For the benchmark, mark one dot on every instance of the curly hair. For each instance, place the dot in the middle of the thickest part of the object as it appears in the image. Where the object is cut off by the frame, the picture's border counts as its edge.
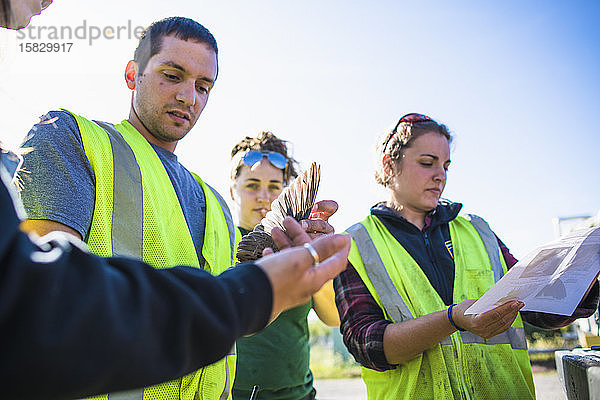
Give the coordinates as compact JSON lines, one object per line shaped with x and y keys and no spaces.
{"x":406,"y":133}
{"x":264,"y":141}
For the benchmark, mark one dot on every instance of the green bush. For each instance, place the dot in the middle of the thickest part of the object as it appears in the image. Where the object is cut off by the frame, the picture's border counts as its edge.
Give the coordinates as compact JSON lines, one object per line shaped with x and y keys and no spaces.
{"x":327,"y":360}
{"x":327,"y":364}
{"x":543,"y":338}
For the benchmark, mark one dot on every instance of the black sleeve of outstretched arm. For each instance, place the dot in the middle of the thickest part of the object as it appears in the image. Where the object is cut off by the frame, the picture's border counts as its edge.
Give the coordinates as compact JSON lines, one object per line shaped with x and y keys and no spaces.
{"x":74,"y":324}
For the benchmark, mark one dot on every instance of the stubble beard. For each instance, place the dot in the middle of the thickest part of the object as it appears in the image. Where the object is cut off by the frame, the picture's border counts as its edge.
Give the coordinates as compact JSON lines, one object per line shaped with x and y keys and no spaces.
{"x":151,"y":119}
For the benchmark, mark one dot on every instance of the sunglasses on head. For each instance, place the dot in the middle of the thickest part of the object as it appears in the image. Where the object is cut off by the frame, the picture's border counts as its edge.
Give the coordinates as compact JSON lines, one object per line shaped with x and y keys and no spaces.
{"x":411,"y":118}
{"x":253,"y":156}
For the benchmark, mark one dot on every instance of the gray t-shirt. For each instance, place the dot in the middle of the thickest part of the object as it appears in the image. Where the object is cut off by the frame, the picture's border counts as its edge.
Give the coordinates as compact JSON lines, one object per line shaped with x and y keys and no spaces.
{"x":59,"y":184}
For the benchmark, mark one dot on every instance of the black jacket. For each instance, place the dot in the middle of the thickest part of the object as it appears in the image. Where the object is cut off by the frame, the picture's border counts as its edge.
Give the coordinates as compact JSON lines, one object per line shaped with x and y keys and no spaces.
{"x":430,"y":248}
{"x":73,"y":324}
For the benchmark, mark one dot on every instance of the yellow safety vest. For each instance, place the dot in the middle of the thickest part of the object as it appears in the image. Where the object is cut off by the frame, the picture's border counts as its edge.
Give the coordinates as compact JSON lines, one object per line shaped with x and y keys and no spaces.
{"x":137,"y":214}
{"x":463,"y":365}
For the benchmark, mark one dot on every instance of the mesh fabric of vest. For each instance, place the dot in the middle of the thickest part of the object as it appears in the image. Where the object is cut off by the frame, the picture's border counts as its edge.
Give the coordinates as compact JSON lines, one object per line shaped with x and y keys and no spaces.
{"x":166,"y":238}
{"x":457,"y":371}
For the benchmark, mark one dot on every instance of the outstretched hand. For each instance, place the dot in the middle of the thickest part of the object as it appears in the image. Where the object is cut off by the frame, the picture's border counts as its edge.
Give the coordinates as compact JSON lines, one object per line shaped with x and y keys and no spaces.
{"x":293,"y":277}
{"x":490,"y":323}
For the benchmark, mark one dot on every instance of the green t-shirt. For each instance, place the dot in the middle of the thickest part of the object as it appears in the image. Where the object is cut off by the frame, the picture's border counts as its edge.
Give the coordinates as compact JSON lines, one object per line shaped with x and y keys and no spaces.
{"x":276,"y":358}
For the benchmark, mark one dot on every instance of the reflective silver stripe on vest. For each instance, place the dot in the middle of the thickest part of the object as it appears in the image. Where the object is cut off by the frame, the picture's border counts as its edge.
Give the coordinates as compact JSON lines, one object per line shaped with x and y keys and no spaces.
{"x":128,"y":214}
{"x":136,"y":394}
{"x":228,"y":220}
{"x":515,"y":336}
{"x":391,"y":299}
{"x":226,"y":389}
{"x":128,"y":201}
{"x":490,"y":242}
{"x":128,"y":219}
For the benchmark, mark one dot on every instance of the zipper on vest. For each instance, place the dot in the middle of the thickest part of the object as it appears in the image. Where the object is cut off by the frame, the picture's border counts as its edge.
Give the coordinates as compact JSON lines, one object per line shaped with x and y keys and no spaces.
{"x":431,"y":256}
{"x":429,"y":250}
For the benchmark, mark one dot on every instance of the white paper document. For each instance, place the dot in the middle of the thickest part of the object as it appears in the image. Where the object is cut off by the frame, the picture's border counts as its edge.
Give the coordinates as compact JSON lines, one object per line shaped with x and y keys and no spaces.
{"x":552,"y":279}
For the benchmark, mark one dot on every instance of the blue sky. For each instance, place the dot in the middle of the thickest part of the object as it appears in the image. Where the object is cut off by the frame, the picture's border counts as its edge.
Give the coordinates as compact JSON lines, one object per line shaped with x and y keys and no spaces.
{"x":516,"y":82}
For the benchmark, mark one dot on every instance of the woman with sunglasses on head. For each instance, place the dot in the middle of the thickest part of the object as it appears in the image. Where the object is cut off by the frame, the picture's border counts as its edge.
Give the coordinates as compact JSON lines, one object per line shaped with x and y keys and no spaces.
{"x":411,"y":260}
{"x":277,"y":358}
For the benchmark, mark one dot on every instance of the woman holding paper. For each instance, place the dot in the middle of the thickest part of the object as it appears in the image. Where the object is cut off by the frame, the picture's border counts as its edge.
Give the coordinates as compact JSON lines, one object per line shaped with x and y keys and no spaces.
{"x":415,"y":267}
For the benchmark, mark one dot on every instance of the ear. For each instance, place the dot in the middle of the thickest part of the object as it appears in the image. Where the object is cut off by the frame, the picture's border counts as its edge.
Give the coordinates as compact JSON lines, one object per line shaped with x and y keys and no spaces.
{"x":130,"y":74}
{"x":388,"y":165}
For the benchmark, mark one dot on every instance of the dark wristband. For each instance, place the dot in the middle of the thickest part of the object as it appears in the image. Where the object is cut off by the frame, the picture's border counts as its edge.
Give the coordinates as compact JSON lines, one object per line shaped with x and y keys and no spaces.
{"x":451,"y":320}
